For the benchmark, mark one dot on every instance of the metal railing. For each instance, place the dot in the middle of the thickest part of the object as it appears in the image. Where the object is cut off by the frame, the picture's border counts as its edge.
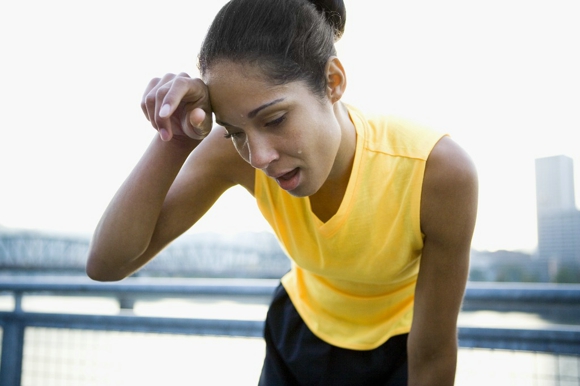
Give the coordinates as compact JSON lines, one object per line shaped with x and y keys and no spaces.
{"x":556,"y":339}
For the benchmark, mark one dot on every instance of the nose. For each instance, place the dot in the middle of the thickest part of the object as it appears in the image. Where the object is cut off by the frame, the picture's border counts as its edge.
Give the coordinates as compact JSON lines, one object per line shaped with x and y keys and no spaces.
{"x":261,"y":151}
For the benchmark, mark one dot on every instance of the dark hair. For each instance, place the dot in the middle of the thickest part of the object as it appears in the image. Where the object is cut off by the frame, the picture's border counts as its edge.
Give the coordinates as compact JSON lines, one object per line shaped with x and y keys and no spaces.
{"x":290,"y":40}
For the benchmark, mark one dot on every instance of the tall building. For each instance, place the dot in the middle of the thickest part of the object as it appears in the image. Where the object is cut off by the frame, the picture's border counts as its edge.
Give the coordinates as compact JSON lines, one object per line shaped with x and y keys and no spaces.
{"x":555,"y":184}
{"x":558,"y":218}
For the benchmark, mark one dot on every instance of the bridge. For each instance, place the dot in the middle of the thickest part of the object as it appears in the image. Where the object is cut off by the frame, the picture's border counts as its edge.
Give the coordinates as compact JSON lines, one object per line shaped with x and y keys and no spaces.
{"x":213,"y":255}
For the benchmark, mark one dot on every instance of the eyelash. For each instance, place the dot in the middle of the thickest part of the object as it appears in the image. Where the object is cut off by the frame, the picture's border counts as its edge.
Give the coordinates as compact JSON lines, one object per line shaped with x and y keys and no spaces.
{"x":274,"y":123}
{"x":232,"y":135}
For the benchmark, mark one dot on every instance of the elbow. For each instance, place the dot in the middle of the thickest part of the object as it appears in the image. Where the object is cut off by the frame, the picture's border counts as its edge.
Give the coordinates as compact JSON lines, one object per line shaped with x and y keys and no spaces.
{"x":111,"y":259}
{"x":114,"y":262}
{"x":96,"y":273}
{"x":99,"y":275}
{"x":98,"y":269}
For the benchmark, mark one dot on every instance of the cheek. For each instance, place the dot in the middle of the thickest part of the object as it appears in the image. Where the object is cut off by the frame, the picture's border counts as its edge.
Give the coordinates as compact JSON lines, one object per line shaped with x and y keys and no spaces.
{"x":243,"y":151}
{"x":325,"y":139}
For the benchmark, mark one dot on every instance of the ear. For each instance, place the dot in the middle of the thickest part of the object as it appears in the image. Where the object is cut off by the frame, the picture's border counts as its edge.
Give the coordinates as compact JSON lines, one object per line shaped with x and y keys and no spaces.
{"x":335,"y":79}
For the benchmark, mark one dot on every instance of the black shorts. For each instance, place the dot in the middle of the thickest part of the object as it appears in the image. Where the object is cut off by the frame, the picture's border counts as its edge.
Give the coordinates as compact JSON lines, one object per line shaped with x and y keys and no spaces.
{"x":295,"y":356}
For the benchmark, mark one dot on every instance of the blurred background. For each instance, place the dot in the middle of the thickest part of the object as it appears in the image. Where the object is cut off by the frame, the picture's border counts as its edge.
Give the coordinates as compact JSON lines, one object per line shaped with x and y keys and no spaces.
{"x":501,"y":77}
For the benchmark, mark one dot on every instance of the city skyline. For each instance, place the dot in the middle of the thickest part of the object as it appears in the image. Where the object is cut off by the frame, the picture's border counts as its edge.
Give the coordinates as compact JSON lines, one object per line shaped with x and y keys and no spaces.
{"x":72,"y":127}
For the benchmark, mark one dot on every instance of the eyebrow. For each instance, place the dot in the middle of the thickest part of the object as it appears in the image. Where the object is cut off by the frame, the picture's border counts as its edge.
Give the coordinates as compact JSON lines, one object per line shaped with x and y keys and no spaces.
{"x":253,"y":113}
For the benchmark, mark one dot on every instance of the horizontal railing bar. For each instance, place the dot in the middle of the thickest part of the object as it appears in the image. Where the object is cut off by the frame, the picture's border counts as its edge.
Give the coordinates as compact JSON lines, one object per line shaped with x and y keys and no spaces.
{"x":524,"y":292}
{"x":133,"y":323}
{"x":149,"y":286}
{"x":476,"y":291}
{"x":559,"y":340}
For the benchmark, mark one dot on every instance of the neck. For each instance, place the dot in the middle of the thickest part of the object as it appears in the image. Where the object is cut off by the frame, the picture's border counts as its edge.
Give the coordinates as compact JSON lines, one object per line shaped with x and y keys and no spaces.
{"x":345,"y":155}
{"x":326,"y":201}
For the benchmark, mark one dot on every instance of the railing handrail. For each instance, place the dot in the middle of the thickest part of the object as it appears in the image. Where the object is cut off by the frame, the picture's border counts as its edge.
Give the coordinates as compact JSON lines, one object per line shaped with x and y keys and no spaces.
{"x":140,"y":285}
{"x":475,"y":291}
{"x":524,"y":292}
{"x":555,"y":339}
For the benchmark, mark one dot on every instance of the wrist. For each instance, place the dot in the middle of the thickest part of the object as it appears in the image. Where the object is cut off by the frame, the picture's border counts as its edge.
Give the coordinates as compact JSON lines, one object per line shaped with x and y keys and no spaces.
{"x":178,"y":144}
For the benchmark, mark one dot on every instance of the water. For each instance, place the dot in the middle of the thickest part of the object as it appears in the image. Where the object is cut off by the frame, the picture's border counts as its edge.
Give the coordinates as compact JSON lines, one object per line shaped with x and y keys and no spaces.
{"x":250,"y":308}
{"x":96,"y":358}
{"x":83,"y":358}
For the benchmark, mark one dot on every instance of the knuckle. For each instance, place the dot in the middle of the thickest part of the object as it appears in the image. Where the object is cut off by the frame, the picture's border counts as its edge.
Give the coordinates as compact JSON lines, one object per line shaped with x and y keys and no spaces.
{"x":167,"y":77}
{"x":182,"y":81}
{"x":198,"y":82}
{"x":160,"y":91}
{"x":150,"y":86}
{"x":153,"y":82}
{"x":150,"y":98}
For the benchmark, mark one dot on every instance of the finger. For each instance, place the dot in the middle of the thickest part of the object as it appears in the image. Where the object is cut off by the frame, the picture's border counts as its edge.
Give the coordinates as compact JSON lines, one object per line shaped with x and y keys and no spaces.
{"x":161,"y":117}
{"x":196,"y":117}
{"x":152,"y":83}
{"x":150,"y":97}
{"x":194,"y":124}
{"x":181,"y":90}
{"x":165,"y":135}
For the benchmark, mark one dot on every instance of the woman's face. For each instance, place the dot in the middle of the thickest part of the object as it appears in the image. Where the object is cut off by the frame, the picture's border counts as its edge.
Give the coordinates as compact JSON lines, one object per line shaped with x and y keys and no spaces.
{"x":284,"y":130}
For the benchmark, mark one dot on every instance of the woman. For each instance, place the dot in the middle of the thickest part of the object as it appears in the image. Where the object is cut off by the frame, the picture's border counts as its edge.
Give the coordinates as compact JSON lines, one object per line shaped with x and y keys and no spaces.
{"x":376,"y":213}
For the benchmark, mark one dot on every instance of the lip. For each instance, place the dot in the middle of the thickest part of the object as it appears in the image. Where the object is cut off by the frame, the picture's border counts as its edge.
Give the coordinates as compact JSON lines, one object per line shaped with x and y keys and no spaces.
{"x":281,"y":174}
{"x":288,"y":180}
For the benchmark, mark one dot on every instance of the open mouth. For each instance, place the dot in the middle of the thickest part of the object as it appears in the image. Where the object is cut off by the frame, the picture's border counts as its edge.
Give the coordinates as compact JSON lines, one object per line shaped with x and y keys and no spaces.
{"x":290,"y":180}
{"x":289,"y":175}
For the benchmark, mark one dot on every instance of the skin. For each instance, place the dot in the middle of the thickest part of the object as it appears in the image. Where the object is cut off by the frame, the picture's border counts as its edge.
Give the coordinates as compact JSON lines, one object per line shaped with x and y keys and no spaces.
{"x":305,"y":140}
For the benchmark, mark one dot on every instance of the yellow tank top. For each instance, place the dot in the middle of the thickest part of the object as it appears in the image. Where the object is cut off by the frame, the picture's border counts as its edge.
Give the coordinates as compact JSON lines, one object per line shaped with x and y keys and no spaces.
{"x":353,"y":277}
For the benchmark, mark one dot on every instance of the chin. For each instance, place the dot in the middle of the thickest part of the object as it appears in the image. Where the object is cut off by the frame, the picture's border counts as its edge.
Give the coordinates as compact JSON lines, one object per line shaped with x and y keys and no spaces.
{"x":303,"y":191}
{"x":298,"y":193}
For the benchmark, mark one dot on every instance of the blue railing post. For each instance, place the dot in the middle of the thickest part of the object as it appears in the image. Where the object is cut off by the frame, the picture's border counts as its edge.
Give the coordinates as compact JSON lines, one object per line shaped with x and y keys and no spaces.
{"x":12,"y":346}
{"x":556,"y":339}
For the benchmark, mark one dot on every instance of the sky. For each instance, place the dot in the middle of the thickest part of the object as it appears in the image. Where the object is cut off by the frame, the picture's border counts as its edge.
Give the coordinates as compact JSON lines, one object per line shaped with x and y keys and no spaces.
{"x":501,"y":77}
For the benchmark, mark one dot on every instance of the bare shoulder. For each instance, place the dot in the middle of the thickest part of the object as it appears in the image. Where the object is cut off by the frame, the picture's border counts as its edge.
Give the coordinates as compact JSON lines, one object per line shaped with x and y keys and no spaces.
{"x":448,"y":162}
{"x":449,"y":197}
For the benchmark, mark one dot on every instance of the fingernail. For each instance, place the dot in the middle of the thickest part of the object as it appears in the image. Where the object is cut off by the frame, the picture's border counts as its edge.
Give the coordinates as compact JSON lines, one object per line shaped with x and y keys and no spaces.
{"x":164,"y":135}
{"x":195,"y":124}
{"x":164,"y":111}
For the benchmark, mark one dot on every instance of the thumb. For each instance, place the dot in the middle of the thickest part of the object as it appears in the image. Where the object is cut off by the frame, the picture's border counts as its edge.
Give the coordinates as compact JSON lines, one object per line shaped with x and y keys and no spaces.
{"x":197,"y":126}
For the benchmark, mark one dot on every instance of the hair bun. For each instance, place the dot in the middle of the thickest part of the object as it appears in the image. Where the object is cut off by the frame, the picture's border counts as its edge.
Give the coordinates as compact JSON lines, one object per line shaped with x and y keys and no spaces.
{"x":334,"y":12}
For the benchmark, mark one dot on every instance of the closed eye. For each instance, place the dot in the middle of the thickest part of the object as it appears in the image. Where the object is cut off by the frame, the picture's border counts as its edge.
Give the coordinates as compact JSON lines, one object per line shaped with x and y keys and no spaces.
{"x":276,"y":121}
{"x":234,"y":135}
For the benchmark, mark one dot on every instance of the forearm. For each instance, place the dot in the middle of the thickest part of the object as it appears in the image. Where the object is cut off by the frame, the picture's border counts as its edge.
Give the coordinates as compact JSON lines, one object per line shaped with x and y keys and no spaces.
{"x":125,"y":229}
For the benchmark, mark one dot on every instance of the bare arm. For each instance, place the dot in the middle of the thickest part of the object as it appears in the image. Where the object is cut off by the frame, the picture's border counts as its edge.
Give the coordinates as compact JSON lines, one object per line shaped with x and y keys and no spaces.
{"x":448,"y":212}
{"x":176,"y":181}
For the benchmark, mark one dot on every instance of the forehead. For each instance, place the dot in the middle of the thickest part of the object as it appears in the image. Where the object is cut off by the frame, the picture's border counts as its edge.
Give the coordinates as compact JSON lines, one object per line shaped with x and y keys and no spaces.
{"x":241,"y":87}
{"x":233,"y":74}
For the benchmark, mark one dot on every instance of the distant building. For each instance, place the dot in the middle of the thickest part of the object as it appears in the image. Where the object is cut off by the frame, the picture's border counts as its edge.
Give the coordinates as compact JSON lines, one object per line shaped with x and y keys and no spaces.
{"x":555,"y":184}
{"x":506,"y":266}
{"x":558,"y":217}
